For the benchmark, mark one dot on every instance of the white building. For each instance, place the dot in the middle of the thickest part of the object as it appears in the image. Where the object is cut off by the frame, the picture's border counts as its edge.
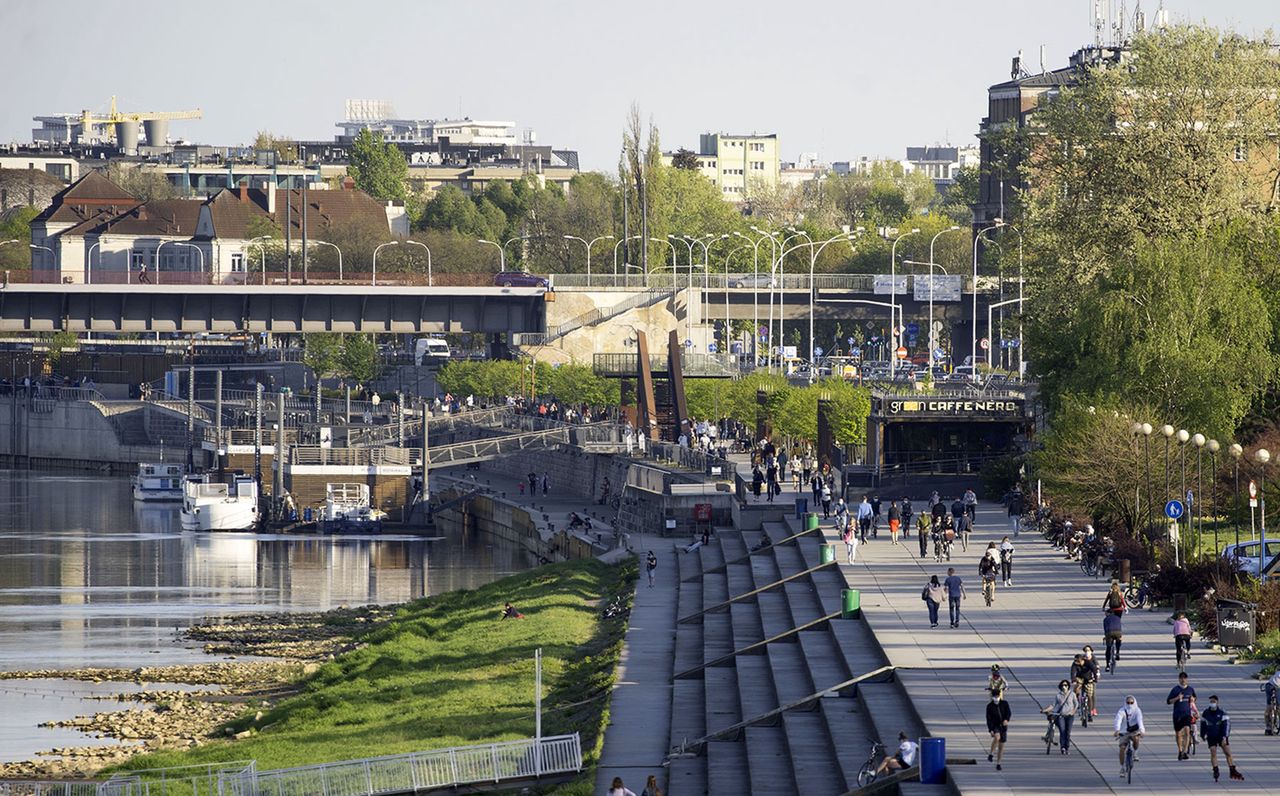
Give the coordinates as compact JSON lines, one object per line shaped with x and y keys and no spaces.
{"x":380,"y":117}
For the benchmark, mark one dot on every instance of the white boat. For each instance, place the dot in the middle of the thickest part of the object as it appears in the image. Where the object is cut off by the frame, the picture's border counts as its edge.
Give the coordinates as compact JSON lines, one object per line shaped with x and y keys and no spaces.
{"x":215,"y":506}
{"x":347,"y":508}
{"x":158,"y":482}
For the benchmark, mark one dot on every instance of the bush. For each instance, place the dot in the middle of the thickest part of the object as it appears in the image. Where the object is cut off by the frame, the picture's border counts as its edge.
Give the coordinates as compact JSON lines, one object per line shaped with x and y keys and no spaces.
{"x":1246,"y":589}
{"x":999,"y":475}
{"x":1192,"y":579}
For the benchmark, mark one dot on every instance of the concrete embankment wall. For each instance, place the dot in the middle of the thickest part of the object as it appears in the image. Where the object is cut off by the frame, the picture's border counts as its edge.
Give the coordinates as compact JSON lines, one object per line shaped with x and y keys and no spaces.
{"x":505,"y":520}
{"x":48,"y":434}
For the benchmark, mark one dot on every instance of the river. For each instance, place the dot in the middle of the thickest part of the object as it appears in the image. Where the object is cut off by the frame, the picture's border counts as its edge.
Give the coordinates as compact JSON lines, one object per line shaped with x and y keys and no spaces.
{"x":89,"y":578}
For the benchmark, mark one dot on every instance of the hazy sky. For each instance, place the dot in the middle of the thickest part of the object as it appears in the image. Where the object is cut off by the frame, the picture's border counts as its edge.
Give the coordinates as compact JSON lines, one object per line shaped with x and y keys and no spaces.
{"x":842,"y":78}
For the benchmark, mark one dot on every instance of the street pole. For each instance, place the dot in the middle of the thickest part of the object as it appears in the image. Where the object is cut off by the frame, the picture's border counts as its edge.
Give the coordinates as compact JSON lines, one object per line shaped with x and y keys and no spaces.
{"x":1214,"y":447}
{"x":932,"y":265}
{"x":1236,"y":451}
{"x":1198,"y":517}
{"x":1183,"y":436}
{"x":1146,"y":455}
{"x":973,"y":343}
{"x":893,"y":300}
{"x":1262,"y":456}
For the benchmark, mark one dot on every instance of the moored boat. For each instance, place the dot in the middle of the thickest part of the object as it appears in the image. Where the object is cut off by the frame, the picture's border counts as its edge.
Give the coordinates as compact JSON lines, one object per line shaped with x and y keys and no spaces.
{"x":216,"y":506}
{"x":158,"y":482}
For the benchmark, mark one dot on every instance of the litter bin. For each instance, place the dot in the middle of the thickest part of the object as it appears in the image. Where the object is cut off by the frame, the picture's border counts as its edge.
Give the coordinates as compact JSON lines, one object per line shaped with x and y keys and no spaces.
{"x":811,"y":521}
{"x":306,"y":514}
{"x":802,"y":507}
{"x":1237,"y":625}
{"x":828,"y":553}
{"x":933,"y":761}
{"x":852,"y":604}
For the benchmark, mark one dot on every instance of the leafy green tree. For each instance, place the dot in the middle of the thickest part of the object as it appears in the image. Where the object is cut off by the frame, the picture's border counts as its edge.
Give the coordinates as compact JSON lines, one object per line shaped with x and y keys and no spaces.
{"x":685,"y":159}
{"x":284,"y":150}
{"x":16,"y":225}
{"x":59,"y":343}
{"x":322,"y":352}
{"x":959,"y":200}
{"x":358,"y":359}
{"x":579,"y":384}
{"x":143,"y":183}
{"x":378,"y":167}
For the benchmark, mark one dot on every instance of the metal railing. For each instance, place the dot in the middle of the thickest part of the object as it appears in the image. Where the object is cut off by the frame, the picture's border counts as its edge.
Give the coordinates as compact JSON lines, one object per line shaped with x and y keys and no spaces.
{"x":353,"y":457}
{"x":458,"y":766}
{"x":693,"y":364}
{"x":592,"y":317}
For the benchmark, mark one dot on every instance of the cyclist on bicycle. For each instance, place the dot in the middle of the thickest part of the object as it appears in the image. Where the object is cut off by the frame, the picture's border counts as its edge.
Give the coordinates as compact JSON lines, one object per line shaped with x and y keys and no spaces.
{"x":961,"y":522}
{"x":1272,"y":689}
{"x":996,"y":681}
{"x":1113,"y":633}
{"x":987,"y":569}
{"x":1129,"y":727}
{"x":1083,"y":677}
{"x":905,"y":757}
{"x":1091,"y":546}
{"x":1181,"y":637}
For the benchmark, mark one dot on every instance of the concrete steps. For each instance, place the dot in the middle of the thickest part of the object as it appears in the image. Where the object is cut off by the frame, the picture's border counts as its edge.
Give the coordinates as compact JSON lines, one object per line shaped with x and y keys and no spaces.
{"x":769,"y":761}
{"x":755,"y":686}
{"x":822,"y":657}
{"x":721,"y":697}
{"x":790,"y":674}
{"x":715,"y":589}
{"x":740,"y":579}
{"x":775,"y":614}
{"x":812,"y":749}
{"x":717,"y":635}
{"x":688,"y":775}
{"x":847,"y":723}
{"x":747,"y":628}
{"x":688,"y":720}
{"x":727,"y":768}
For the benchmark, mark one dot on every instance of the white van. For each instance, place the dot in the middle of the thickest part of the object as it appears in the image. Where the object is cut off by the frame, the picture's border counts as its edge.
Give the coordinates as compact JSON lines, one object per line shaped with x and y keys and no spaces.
{"x":430,"y":351}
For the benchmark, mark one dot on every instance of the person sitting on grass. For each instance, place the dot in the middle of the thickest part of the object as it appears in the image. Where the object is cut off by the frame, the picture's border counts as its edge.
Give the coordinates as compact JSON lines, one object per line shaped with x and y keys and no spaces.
{"x":509,"y":612}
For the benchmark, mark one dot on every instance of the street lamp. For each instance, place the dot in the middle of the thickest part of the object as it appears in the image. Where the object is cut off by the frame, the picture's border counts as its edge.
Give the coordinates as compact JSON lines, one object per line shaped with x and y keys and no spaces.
{"x":1262,"y":456}
{"x":191,"y":246}
{"x":1236,"y":452}
{"x":755,"y":287}
{"x":973,"y":344}
{"x":262,"y":249}
{"x":932,"y":265}
{"x":1197,"y":517}
{"x":589,"y":244}
{"x":728,"y":257}
{"x":53,"y":257}
{"x":502,"y":253}
{"x":893,"y":299}
{"x":1167,"y":430}
{"x":408,"y":242}
{"x":374,"y":276}
{"x":339,"y":251}
{"x":1146,"y":455}
{"x":674,"y":258}
{"x":615,"y":256}
{"x":1214,"y":446}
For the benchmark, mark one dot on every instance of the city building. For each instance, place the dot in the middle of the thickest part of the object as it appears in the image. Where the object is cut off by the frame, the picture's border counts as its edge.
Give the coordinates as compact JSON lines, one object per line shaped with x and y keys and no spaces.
{"x":94,"y":230}
{"x":737,"y":164}
{"x":379,"y":116}
{"x":940,"y":163}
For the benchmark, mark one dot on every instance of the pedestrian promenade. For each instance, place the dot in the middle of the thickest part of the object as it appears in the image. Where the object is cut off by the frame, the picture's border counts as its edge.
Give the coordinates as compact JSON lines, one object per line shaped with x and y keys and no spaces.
{"x":1032,"y":631}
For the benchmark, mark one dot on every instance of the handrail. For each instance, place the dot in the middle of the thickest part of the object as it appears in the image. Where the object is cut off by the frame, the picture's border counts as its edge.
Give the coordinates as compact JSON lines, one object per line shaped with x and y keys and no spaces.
{"x":750,"y":553}
{"x":822,"y":620}
{"x":684,"y":620}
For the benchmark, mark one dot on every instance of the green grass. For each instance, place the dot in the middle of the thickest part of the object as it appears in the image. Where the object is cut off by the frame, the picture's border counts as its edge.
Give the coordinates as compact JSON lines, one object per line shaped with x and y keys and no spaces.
{"x":446,"y":671}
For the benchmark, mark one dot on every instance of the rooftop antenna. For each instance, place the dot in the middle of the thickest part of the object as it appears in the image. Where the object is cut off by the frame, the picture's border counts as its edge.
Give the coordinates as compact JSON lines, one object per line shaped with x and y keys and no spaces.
{"x":1042,"y":70}
{"x":1139,"y":20}
{"x":1098,"y":24}
{"x":1162,"y":17}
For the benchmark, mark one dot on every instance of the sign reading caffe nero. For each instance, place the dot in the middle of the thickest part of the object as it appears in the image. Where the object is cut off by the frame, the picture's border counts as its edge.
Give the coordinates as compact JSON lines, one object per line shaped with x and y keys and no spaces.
{"x":953,"y":407}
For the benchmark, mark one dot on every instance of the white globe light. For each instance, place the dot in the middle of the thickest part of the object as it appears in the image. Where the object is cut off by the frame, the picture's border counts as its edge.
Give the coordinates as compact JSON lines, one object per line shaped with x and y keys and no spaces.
{"x":1167,"y":430}
{"x":1235,"y":450}
{"x":1198,"y":439}
{"x":1146,"y":429}
{"x":1214,"y":446}
{"x":1183,"y":435}
{"x":1262,"y":455}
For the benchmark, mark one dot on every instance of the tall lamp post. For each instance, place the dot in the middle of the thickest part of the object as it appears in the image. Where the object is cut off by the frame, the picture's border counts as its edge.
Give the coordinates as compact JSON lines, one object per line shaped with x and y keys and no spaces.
{"x":407,"y":242}
{"x":675,"y":262}
{"x":589,"y":244}
{"x":932,"y":265}
{"x":262,"y":248}
{"x":373,"y":279}
{"x":1198,"y":515}
{"x":622,"y":242}
{"x":1183,"y":436}
{"x":973,"y":344}
{"x":502,"y":253}
{"x":755,"y":290}
{"x":339,"y":251}
{"x":1262,"y":456}
{"x":1146,"y":456}
{"x":1214,"y":446}
{"x":1168,"y":431}
{"x":893,"y":299}
{"x":1236,"y":452}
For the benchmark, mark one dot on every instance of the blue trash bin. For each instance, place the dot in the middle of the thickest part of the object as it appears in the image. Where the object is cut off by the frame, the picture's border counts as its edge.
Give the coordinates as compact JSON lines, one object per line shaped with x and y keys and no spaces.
{"x":306,"y":514}
{"x":933,"y":761}
{"x":802,"y":507}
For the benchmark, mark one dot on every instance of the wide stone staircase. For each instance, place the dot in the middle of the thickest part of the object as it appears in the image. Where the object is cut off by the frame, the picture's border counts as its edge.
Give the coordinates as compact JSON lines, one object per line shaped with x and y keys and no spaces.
{"x":766,"y":691}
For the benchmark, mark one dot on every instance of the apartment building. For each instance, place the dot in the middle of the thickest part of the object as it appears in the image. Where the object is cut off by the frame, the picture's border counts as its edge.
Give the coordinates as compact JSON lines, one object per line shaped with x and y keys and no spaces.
{"x":737,"y":164}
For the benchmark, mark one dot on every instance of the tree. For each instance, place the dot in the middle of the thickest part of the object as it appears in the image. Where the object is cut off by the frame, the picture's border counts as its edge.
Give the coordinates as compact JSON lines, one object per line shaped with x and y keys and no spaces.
{"x":958,"y":202}
{"x":283,"y":149}
{"x":358,"y":359}
{"x":15,"y":224}
{"x":140,"y":181}
{"x":322,"y":352}
{"x":685,"y":159}
{"x":378,"y":167}
{"x":60,"y":342}
{"x":579,"y":384}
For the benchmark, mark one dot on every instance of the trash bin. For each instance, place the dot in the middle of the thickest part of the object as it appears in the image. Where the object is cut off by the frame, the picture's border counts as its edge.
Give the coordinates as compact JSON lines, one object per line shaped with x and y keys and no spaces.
{"x":828,"y":553}
{"x":933,"y":761}
{"x":306,"y":514}
{"x":1237,"y":623}
{"x":802,"y":507}
{"x":852,"y":604}
{"x":811,"y":521}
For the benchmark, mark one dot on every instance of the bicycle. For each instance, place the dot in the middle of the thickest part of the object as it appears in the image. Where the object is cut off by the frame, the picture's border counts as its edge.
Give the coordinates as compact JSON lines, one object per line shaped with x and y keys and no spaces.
{"x":1130,"y":756}
{"x":989,"y":591}
{"x":1271,"y":716}
{"x":867,"y":774}
{"x":1184,"y":651}
{"x":1050,"y":736}
{"x":1113,"y":655}
{"x":1086,"y":706}
{"x":1089,"y":564}
{"x":1135,"y":595}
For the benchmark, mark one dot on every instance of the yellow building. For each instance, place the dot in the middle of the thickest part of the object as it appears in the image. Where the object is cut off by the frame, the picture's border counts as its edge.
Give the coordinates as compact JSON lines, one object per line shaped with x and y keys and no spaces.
{"x":738,"y":164}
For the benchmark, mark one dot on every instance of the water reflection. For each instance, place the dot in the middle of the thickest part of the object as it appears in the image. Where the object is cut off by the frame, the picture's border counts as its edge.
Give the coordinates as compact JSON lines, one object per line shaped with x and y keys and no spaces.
{"x":89,"y":579}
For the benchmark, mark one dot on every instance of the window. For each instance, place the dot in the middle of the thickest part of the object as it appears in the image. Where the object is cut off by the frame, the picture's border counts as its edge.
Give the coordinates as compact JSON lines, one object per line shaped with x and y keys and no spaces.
{"x":757,"y":165}
{"x":1242,"y":152}
{"x":757,"y":147}
{"x":237,"y":262}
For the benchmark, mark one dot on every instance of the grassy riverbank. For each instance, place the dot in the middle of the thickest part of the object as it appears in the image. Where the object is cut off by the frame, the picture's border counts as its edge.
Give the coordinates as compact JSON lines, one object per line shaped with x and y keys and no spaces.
{"x":447,"y":671}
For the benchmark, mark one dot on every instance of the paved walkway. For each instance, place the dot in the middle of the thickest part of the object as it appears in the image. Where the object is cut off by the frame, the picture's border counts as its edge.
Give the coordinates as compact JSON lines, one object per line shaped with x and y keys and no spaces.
{"x":1033,"y":630}
{"x":635,"y":741}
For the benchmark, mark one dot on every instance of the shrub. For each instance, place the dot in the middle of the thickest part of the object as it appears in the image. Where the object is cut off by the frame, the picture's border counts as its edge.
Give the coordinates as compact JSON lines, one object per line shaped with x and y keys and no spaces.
{"x":999,"y":475}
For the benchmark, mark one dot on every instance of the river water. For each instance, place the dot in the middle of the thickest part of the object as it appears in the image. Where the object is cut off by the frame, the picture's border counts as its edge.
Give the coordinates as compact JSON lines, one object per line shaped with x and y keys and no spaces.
{"x":89,"y":578}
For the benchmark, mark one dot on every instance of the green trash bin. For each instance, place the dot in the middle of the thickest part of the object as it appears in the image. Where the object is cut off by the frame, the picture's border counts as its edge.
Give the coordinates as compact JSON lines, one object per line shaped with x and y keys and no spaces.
{"x":811,"y":521}
{"x":828,"y":553}
{"x":852,"y":604}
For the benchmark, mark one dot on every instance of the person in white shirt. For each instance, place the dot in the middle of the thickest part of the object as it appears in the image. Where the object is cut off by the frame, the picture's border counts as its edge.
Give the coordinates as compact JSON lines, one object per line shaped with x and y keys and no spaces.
{"x":905,"y":757}
{"x":1129,"y":724}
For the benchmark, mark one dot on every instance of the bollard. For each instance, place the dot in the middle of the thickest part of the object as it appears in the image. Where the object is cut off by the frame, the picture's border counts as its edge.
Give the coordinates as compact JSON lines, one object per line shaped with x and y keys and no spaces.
{"x":933,"y":761}
{"x":828,"y":553}
{"x":811,"y":521}
{"x":852,"y":604}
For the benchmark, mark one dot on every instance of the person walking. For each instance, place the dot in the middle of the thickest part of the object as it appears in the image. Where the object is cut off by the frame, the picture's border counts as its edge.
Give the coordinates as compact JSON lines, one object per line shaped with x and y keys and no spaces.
{"x":933,"y":596}
{"x":939,"y":510}
{"x":955,"y":593}
{"x":850,"y":540}
{"x":907,"y":514}
{"x":1015,"y":509}
{"x":895,"y":521}
{"x":546,"y":484}
{"x":864,"y":518}
{"x":1182,"y":697}
{"x":815,"y":486}
{"x":651,"y":566}
{"x":651,"y":787}
{"x":826,"y":502}
{"x":998,"y":715}
{"x":1063,"y":713}
{"x":618,"y":789}
{"x":959,"y":518}
{"x":771,"y":479}
{"x":1006,"y":561}
{"x":875,"y":516}
{"x":1215,"y":729}
{"x":971,"y":505}
{"x":922,"y":534}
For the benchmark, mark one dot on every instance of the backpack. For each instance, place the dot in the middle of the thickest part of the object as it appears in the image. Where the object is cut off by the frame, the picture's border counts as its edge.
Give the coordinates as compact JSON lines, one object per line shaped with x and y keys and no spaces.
{"x":924,"y":595}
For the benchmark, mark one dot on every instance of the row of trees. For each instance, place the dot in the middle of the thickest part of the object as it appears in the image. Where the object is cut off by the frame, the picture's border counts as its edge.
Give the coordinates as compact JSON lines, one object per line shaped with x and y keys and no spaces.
{"x":494,"y":380}
{"x":351,"y":356}
{"x":791,"y":410}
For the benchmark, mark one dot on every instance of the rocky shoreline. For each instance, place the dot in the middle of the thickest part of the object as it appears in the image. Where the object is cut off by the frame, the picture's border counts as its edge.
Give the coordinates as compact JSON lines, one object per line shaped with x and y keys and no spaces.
{"x":293,"y":645}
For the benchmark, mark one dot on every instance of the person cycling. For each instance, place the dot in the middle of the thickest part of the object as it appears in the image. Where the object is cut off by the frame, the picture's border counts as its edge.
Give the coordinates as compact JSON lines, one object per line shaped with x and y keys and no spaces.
{"x":1091,"y":545}
{"x":1272,"y":689}
{"x":988,"y":567}
{"x":1181,"y":638}
{"x":1129,"y":727}
{"x":960,"y":519}
{"x":1084,"y":676}
{"x":1113,"y":634}
{"x":996,"y":681}
{"x":905,"y":757}
{"x":1091,"y":661}
{"x":1114,"y":601}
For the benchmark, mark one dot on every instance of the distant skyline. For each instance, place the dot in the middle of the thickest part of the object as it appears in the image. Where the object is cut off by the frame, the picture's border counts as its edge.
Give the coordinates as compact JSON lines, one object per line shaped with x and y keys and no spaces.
{"x":840,"y":79}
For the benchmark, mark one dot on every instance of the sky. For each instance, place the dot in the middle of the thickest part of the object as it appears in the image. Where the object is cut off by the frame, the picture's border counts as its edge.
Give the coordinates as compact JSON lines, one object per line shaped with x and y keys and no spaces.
{"x":840,"y":78}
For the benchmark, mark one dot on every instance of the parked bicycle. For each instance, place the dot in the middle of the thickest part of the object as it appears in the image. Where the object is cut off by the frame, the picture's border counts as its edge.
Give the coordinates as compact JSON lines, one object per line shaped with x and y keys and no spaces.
{"x":867,"y":774}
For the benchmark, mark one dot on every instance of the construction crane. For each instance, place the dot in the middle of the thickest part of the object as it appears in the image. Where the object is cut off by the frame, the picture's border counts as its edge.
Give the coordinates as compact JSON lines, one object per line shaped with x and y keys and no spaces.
{"x":155,"y":123}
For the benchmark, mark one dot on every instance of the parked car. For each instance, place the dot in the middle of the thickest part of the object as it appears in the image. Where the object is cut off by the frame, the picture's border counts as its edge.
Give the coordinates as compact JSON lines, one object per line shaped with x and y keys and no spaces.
{"x":1248,"y":555}
{"x":519,"y":279}
{"x":753,"y":280}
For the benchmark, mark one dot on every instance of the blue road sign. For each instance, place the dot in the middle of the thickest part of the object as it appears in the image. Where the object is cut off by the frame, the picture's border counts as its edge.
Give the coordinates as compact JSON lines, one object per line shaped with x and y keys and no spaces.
{"x":938,"y":353}
{"x":817,"y":351}
{"x":1191,"y":498}
{"x":1173,"y":509}
{"x":850,"y":340}
{"x":712,"y":348}
{"x":913,"y":328}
